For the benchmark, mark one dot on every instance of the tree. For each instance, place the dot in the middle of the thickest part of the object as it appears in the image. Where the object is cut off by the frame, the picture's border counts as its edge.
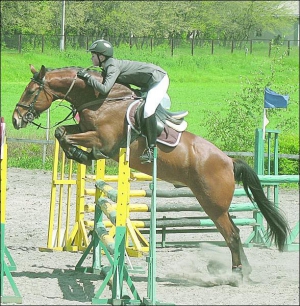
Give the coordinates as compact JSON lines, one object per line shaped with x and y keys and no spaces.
{"x":226,"y":20}
{"x":246,"y":109}
{"x":26,"y":17}
{"x":238,"y":20}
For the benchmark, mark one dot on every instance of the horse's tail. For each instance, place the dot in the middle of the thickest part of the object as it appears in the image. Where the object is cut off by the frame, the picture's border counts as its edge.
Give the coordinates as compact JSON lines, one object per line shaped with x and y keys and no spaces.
{"x":278,"y":228}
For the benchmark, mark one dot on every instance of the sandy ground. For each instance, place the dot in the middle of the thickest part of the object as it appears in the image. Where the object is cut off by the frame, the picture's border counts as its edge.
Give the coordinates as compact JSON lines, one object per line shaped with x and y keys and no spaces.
{"x":46,"y":278}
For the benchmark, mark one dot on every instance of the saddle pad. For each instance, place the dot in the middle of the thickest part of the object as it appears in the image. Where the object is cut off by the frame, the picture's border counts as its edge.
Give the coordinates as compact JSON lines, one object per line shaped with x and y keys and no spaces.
{"x":168,"y":136}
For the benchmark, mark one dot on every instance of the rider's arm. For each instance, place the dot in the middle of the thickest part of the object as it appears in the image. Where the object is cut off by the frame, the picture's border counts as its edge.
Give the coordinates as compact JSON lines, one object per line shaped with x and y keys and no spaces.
{"x":112,"y":74}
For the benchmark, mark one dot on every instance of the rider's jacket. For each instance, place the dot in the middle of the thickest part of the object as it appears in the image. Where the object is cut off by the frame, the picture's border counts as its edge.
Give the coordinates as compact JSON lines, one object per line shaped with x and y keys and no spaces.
{"x":140,"y":74}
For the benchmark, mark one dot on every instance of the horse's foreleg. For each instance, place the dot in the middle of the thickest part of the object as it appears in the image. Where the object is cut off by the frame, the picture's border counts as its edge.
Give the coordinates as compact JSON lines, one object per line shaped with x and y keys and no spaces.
{"x":70,"y":148}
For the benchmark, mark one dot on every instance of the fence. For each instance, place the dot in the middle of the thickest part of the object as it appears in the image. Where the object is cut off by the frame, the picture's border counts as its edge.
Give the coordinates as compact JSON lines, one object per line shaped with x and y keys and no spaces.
{"x":45,"y":143}
{"x":191,"y":46}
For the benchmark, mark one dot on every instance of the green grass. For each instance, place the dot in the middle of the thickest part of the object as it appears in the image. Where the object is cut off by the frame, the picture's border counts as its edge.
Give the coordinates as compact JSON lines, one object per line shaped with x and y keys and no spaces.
{"x":197,"y":83}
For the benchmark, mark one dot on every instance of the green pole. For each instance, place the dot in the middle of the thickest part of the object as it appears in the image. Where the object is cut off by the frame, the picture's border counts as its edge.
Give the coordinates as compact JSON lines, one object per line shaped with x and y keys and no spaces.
{"x":257,"y":236}
{"x":276,"y":162}
{"x":152,"y":256}
{"x":5,"y":271}
{"x":259,"y":152}
{"x":5,"y":268}
{"x":151,"y":259}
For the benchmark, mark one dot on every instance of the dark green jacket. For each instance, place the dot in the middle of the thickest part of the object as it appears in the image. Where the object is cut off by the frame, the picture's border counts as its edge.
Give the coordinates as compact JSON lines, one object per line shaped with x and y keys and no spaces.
{"x":143,"y":75}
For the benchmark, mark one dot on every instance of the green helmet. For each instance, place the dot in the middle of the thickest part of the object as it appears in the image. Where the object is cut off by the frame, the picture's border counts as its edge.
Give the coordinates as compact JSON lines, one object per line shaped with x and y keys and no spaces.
{"x":103,"y":47}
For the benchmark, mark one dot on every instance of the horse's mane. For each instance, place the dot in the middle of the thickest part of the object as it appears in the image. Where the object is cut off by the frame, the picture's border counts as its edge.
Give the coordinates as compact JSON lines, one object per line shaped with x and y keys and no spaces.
{"x":97,"y":73}
{"x":71,"y":68}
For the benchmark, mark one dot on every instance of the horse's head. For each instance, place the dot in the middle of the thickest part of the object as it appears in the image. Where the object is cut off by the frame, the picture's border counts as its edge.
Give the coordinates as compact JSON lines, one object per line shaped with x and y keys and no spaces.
{"x":35,"y":99}
{"x":48,"y":85}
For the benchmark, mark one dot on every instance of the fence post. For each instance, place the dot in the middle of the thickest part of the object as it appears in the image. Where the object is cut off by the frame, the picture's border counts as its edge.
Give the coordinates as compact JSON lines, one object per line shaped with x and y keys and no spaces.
{"x":259,"y":152}
{"x":87,"y":42}
{"x":193,"y":41}
{"x":65,"y":40}
{"x":151,"y":44}
{"x":288,"y":50}
{"x":275,"y":154}
{"x":20,"y":43}
{"x":212,"y":46}
{"x":232,"y":46}
{"x":270,"y":47}
{"x":251,"y":46}
{"x":172,"y":47}
{"x":43,"y":43}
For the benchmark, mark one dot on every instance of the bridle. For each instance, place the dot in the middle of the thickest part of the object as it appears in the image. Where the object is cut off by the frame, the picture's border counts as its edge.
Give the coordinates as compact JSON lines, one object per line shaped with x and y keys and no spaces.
{"x":32,"y":113}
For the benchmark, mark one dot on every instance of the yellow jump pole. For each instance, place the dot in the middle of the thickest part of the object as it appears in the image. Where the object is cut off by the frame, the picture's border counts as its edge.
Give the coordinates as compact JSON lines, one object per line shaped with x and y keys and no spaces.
{"x":60,"y":202}
{"x":118,"y":270}
{"x":5,"y":268}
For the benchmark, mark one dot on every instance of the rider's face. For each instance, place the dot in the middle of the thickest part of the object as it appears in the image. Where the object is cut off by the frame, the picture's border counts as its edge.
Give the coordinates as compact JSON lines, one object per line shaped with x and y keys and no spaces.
{"x":95,"y":59}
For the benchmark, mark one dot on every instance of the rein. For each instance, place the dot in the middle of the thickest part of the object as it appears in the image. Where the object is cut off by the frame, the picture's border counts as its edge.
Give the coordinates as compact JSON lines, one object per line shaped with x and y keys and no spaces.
{"x":73,"y":111}
{"x":32,"y":114}
{"x":56,"y":124}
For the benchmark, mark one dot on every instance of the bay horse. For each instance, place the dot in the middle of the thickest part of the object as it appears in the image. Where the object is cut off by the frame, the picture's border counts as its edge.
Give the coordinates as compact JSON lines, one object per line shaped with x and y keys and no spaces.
{"x":194,"y":162}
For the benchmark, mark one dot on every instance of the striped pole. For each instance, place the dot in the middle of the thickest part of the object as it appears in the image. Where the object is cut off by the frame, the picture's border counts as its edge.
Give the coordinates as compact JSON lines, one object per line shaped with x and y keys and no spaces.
{"x":5,"y":273}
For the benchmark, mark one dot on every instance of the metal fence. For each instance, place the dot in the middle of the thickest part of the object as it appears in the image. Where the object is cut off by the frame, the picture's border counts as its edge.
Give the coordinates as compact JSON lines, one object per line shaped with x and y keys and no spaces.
{"x":41,"y":43}
{"x":48,"y":142}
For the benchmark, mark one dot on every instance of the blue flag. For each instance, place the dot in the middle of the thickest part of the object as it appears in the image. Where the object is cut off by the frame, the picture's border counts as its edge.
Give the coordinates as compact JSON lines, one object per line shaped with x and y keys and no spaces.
{"x":275,"y":100}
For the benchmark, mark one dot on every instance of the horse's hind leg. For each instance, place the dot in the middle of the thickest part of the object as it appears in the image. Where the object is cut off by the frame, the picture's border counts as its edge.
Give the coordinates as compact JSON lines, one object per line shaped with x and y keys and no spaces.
{"x":245,"y":263}
{"x":230,"y":232}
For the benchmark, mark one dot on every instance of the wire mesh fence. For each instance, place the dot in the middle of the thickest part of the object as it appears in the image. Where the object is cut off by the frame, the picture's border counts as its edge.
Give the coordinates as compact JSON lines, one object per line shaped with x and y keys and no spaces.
{"x":188,"y":46}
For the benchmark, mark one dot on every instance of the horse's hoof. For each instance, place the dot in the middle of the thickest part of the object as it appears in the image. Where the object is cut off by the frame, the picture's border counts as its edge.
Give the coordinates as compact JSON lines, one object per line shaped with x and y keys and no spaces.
{"x":237,"y":276}
{"x":80,"y":156}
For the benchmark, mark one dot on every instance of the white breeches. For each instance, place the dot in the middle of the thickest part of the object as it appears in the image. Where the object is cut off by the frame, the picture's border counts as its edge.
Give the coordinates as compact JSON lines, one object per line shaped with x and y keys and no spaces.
{"x":155,"y":95}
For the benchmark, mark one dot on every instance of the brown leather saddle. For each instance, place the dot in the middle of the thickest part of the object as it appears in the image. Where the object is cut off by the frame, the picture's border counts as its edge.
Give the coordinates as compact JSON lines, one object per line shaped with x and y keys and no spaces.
{"x":170,"y":125}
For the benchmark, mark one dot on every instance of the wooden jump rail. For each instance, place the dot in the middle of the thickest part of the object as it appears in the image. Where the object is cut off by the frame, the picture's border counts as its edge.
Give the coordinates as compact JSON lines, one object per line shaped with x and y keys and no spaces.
{"x":175,"y":225}
{"x":164,"y":223}
{"x":62,"y":237}
{"x":117,"y":273}
{"x":63,"y":234}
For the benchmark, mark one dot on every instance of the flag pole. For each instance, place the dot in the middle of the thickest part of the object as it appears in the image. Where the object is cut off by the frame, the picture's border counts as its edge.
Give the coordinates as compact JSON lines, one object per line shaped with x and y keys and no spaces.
{"x":264,"y":124}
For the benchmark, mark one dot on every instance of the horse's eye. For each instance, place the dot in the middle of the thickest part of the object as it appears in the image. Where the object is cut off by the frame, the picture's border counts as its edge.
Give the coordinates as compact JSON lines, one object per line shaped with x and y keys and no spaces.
{"x":30,"y":92}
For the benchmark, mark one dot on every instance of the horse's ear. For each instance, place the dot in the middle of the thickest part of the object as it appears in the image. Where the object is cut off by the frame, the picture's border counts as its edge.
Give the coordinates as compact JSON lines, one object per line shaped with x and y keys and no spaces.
{"x":32,"y":69}
{"x":42,"y":72}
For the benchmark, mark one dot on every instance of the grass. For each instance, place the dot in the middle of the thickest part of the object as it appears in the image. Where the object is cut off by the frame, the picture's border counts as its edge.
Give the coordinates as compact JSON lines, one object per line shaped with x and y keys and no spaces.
{"x":197,"y":83}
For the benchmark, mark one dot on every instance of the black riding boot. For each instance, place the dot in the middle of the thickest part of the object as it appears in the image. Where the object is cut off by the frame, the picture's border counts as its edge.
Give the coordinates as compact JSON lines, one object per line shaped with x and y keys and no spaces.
{"x":151,"y":134}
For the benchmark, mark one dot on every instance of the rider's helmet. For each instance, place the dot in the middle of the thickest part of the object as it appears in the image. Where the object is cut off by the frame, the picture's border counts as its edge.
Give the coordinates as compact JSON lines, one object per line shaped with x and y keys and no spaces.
{"x":102,"y":46}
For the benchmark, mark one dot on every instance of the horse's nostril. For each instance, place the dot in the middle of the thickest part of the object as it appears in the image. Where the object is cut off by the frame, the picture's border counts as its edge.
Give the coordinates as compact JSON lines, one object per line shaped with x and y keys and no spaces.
{"x":14,"y":121}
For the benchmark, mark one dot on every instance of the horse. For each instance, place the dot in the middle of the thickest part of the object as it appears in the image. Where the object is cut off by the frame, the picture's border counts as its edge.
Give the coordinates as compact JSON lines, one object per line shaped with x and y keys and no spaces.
{"x":194,"y":162}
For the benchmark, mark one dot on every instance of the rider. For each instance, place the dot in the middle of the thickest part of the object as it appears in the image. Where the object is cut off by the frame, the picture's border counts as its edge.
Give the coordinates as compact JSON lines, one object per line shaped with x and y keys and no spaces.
{"x":148,"y":76}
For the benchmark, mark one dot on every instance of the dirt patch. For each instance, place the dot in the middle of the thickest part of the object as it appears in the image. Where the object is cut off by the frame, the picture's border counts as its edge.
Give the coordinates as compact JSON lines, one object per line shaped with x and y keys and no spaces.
{"x":182,"y":272}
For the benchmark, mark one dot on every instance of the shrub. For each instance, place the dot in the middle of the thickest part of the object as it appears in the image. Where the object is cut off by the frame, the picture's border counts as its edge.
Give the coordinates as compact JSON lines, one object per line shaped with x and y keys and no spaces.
{"x":289,"y":144}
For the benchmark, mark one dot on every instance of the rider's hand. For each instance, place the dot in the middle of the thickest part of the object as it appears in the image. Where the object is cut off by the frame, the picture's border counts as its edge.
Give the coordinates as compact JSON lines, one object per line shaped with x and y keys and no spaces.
{"x":83,"y":74}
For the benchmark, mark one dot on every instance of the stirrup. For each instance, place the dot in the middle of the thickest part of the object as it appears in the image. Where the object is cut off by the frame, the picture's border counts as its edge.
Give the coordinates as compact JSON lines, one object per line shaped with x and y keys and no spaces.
{"x":147,"y":156}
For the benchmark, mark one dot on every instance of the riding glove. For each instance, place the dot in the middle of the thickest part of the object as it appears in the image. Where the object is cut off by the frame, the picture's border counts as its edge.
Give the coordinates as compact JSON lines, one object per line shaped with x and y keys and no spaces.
{"x":82,"y":74}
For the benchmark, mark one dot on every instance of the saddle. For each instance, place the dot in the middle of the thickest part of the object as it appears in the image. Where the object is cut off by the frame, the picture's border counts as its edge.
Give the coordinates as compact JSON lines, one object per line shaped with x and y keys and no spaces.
{"x":170,"y":125}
